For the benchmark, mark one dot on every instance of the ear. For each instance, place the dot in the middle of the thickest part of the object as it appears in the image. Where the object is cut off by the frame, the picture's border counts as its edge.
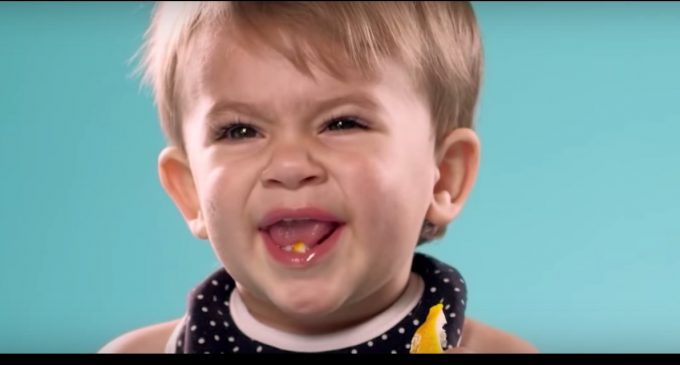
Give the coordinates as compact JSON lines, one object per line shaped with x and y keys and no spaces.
{"x":457,"y":164}
{"x":175,"y":175}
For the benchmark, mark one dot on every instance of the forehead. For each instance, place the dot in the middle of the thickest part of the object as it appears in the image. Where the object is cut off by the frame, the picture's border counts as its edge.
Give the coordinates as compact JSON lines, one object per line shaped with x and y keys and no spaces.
{"x":224,"y":57}
{"x":227,"y":70}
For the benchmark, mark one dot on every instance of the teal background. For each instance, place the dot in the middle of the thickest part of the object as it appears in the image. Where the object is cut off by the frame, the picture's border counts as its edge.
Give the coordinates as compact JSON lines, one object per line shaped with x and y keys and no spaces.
{"x":570,"y":238}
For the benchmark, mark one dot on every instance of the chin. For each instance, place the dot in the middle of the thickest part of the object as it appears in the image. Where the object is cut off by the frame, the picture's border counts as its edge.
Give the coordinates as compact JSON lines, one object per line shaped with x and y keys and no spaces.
{"x":308,"y":304}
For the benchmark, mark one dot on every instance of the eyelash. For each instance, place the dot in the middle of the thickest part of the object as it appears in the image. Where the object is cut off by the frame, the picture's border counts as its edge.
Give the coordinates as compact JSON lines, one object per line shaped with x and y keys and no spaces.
{"x":224,"y":131}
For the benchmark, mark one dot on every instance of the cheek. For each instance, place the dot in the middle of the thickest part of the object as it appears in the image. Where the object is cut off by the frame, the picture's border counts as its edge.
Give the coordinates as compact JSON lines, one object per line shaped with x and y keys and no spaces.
{"x":389,"y":196}
{"x":223,"y":194}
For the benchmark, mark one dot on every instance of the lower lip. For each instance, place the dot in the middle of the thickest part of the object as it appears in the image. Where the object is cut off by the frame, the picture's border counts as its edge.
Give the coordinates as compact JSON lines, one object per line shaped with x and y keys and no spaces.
{"x":302,"y":260}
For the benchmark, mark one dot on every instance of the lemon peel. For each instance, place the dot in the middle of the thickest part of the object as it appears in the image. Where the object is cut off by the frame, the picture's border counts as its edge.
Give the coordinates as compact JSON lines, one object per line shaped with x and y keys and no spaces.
{"x":299,"y":247}
{"x":430,"y":337}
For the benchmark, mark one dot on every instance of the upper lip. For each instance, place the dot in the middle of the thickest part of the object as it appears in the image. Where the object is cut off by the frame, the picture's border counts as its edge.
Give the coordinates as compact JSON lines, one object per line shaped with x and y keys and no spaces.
{"x":311,"y":213}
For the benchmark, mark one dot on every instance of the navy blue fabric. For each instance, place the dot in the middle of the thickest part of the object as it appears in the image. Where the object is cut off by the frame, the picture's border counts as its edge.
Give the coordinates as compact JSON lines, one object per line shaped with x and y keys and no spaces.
{"x":210,"y":328}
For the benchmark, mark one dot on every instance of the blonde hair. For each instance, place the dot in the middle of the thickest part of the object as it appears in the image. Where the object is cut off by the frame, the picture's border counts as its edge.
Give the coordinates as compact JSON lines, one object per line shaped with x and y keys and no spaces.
{"x":439,"y":43}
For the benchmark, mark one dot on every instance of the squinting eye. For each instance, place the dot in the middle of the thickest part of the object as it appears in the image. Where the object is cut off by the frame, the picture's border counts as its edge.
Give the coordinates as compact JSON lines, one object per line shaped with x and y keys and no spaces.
{"x":236,"y":131}
{"x":342,"y":123}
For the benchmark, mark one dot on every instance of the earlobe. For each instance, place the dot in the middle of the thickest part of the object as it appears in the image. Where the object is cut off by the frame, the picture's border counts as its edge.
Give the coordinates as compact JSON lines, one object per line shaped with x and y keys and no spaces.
{"x":176,"y":178}
{"x":457,"y":166}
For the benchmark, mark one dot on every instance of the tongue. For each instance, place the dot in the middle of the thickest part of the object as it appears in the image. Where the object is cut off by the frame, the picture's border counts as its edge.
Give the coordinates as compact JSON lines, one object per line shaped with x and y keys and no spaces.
{"x":310,"y":232}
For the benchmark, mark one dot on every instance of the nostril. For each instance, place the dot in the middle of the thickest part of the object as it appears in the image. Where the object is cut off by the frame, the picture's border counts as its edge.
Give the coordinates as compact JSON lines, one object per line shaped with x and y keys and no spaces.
{"x":293,"y":182}
{"x":310,"y":179}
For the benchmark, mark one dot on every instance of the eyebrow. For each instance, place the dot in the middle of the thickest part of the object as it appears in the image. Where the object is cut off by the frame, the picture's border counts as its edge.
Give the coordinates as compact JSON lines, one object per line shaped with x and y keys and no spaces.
{"x":258,"y":110}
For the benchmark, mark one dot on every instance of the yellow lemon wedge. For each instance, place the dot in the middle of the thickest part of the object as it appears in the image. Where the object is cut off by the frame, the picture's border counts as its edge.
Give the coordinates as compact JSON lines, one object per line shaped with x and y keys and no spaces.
{"x":299,"y":247}
{"x":430,"y":337}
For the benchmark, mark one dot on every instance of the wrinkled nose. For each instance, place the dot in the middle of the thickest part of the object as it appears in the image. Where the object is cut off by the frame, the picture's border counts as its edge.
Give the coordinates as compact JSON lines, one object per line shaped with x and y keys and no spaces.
{"x":291,"y":167}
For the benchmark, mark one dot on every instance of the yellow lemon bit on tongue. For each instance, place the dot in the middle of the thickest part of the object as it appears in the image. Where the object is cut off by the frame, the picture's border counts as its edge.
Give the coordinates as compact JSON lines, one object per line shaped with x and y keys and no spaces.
{"x":299,"y":247}
{"x":430,"y":337}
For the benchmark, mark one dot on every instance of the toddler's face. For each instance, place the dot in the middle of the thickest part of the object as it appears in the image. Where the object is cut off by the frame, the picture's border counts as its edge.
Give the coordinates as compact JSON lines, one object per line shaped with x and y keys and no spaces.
{"x":347,"y":163}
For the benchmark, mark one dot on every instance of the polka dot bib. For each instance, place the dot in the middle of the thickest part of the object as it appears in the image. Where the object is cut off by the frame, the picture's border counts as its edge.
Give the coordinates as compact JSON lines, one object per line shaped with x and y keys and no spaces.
{"x":210,"y":328}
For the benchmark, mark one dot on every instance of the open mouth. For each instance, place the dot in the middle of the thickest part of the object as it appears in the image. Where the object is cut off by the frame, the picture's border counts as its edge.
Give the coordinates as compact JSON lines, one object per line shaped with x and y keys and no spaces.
{"x":300,"y":236}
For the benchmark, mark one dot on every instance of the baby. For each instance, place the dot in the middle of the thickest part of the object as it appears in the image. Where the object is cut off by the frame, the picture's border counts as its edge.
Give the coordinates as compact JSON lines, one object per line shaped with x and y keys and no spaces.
{"x":315,"y":145}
